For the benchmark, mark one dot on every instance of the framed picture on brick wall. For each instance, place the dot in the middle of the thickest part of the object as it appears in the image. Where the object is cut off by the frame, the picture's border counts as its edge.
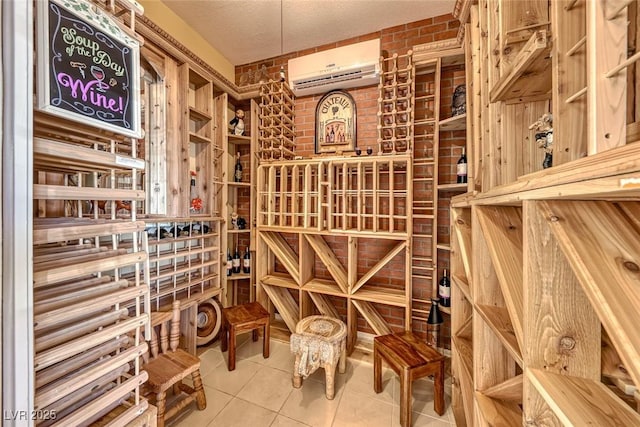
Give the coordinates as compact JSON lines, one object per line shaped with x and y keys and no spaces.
{"x":335,"y":123}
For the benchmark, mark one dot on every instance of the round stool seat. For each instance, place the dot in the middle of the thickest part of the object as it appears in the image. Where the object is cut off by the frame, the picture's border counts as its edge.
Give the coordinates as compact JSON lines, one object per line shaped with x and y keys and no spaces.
{"x":322,"y":327}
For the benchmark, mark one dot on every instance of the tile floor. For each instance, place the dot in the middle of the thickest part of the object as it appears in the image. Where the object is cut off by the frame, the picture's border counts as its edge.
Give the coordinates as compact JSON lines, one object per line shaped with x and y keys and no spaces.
{"x":259,"y":393}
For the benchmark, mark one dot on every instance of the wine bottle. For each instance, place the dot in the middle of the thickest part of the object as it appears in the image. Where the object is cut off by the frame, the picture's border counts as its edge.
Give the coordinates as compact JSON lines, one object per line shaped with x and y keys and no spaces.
{"x":444,"y":290}
{"x":462,"y":168}
{"x":246,"y":262}
{"x":237,"y":176}
{"x":236,"y":261}
{"x":229,"y":263}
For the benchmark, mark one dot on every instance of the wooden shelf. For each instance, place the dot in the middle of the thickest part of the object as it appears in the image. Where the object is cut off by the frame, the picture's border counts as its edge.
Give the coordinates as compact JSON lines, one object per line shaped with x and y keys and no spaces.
{"x":321,"y":286}
{"x":464,"y":347}
{"x":453,"y":187}
{"x":238,"y":184}
{"x":280,"y":280}
{"x":443,"y":246}
{"x":381,"y":295}
{"x":497,"y":412}
{"x":530,"y":73}
{"x":199,"y":115}
{"x":246,"y":230}
{"x":239,"y":139}
{"x":197,"y":139}
{"x":580,"y":402}
{"x":458,"y":122}
{"x":502,"y":230}
{"x":239,"y":276}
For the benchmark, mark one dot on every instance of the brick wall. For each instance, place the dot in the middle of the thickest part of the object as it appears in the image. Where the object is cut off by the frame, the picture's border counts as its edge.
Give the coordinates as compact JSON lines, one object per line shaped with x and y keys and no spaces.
{"x":398,"y":39}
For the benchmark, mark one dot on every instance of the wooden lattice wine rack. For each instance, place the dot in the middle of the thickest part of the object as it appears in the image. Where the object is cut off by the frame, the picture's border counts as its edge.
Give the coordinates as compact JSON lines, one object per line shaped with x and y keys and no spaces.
{"x":304,"y":204}
{"x":395,"y":104}
{"x":276,"y":128}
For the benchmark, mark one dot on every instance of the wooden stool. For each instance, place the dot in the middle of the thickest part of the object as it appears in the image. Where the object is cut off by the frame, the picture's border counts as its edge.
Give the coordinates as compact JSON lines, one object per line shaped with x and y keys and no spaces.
{"x":243,"y":318}
{"x":319,"y":342}
{"x":411,"y":359}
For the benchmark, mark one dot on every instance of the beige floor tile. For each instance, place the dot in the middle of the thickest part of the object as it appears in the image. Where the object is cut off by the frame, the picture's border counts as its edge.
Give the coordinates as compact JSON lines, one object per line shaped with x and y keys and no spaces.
{"x":268,"y":388}
{"x":231,"y":382}
{"x":420,"y":420}
{"x":240,"y":413}
{"x":211,"y":359}
{"x":252,"y":350}
{"x":423,"y":398}
{"x":216,"y":401}
{"x":282,"y":421}
{"x":309,"y":405}
{"x":280,"y":357}
{"x":359,"y":410}
{"x":360,"y":380}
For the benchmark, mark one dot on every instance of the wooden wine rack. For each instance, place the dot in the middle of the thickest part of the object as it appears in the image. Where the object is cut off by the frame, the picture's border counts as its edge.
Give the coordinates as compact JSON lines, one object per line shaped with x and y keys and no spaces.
{"x":302,"y":206}
{"x":277,"y":130}
{"x":395,"y":104}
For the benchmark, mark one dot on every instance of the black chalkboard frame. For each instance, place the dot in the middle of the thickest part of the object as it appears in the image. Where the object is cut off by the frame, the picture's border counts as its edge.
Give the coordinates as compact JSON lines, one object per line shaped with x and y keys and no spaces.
{"x":114,"y":107}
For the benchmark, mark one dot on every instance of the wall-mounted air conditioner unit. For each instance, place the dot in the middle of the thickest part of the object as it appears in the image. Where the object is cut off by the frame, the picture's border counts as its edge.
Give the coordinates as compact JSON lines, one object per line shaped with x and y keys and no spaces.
{"x":344,"y":67}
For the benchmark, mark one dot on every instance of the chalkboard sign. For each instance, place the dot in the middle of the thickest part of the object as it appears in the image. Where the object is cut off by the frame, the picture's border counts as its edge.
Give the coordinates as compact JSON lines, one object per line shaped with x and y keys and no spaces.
{"x":88,"y":68}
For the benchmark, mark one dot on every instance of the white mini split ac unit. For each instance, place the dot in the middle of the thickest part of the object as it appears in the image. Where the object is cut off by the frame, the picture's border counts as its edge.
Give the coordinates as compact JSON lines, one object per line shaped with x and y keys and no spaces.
{"x":344,"y":67}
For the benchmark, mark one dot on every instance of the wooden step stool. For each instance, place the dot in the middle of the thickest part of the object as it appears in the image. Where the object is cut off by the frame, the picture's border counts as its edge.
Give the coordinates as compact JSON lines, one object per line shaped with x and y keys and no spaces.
{"x":411,"y":359}
{"x":244,"y":318}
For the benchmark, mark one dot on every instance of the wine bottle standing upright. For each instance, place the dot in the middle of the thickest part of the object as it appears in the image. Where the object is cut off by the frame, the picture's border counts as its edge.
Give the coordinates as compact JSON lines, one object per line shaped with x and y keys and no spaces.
{"x":246,"y":262}
{"x":462,"y":168}
{"x":444,"y":290}
{"x":237,"y":175}
{"x":236,"y":261}
{"x":229,"y":263}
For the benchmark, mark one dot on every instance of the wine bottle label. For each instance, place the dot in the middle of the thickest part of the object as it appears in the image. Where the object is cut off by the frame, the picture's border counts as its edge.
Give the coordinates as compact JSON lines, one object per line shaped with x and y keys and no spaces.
{"x":462,"y":169}
{"x":238,"y":175}
{"x":229,"y":265}
{"x":246,"y":263}
{"x":236,"y":262}
{"x":444,"y":291}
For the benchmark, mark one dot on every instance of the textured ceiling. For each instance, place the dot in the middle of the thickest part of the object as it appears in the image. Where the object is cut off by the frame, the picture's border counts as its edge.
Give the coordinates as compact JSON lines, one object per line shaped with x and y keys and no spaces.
{"x":247,"y":31}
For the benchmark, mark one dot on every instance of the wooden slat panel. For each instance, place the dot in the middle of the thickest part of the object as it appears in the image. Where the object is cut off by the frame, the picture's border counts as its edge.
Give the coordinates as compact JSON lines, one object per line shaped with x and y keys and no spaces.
{"x":461,"y":220}
{"x":96,"y":406}
{"x":59,"y":192}
{"x":607,"y":97}
{"x":49,"y":357}
{"x":582,"y":402}
{"x":562,"y":329}
{"x":55,"y":391}
{"x":46,"y":277}
{"x":75,"y":308}
{"x":56,"y":154}
{"x":603,"y":249}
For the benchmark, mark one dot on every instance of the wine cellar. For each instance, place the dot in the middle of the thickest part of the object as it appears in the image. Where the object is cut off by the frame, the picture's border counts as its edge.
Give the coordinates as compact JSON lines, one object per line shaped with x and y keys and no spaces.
{"x":442,"y":222}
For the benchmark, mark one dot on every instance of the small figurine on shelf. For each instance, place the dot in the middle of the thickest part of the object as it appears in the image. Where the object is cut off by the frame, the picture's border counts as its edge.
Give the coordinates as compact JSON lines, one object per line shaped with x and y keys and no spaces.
{"x":242,"y":223}
{"x":459,"y":100}
{"x":234,"y":221}
{"x":237,"y":124}
{"x":196,"y":202}
{"x":544,"y":137}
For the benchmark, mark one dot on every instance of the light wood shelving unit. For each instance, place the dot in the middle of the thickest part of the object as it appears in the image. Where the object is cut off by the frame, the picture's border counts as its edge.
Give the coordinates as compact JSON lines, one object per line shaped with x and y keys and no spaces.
{"x":240,"y":196}
{"x":544,"y":262}
{"x":302,"y":204}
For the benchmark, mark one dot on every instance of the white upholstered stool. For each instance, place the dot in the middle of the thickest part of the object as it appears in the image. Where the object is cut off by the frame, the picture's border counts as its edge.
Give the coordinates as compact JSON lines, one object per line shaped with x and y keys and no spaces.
{"x":319,"y":342}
